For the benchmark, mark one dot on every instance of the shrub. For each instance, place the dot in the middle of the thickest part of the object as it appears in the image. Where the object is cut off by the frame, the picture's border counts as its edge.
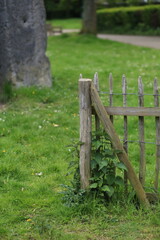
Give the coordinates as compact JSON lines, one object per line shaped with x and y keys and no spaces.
{"x":126,"y":19}
{"x":63,"y":8}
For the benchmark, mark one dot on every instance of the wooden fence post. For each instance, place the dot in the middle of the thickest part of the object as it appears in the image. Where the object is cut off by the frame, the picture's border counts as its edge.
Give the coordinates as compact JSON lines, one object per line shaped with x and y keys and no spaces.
{"x":85,"y":131}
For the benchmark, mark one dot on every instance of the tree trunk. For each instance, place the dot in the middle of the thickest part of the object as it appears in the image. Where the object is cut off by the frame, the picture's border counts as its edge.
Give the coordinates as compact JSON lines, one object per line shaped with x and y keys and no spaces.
{"x":23,"y":43}
{"x":89,"y":21}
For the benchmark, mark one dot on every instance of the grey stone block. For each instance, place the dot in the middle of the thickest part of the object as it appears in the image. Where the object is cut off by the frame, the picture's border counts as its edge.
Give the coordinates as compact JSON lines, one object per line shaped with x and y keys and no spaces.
{"x":23,"y":42}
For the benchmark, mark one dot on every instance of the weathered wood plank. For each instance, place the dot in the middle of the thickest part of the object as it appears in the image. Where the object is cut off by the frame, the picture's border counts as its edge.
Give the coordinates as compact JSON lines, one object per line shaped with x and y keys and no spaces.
{"x":96,"y":84}
{"x":108,"y":127}
{"x":111,"y":104}
{"x":142,"y":163}
{"x":96,"y":81}
{"x":124,"y":91}
{"x":125,"y":138}
{"x":133,"y":111}
{"x":157,"y":122}
{"x":85,"y":131}
{"x":111,"y":94}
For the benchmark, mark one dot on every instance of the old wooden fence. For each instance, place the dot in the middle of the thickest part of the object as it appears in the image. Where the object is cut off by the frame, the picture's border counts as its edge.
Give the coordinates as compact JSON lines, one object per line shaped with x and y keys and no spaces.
{"x":90,"y":103}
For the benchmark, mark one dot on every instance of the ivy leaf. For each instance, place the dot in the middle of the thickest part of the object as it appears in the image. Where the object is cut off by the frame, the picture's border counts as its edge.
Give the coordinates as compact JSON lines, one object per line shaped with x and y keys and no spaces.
{"x":108,"y":189}
{"x":111,"y":192}
{"x":98,"y":157}
{"x":105,"y":188}
{"x":93,"y":164}
{"x":96,"y":144}
{"x":121,"y":166}
{"x":95,"y":179}
{"x":94,"y":185}
{"x":100,"y":183}
{"x":110,"y":179}
{"x":119,"y":181}
{"x":108,"y":153}
{"x":104,"y":170}
{"x":103,"y":164}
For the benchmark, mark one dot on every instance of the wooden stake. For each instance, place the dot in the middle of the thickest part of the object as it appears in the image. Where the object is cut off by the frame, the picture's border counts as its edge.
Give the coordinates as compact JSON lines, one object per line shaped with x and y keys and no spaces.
{"x":111,"y":93}
{"x":96,"y":81}
{"x":111,"y":104}
{"x":142,"y":165}
{"x":108,"y":127}
{"x":125,"y":143}
{"x":85,"y":131}
{"x":96,"y":84}
{"x":157,"y":120}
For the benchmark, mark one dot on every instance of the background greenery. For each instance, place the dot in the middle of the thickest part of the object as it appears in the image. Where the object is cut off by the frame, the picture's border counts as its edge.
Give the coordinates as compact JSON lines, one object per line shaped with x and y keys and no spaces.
{"x":73,"y":8}
{"x":63,"y":8}
{"x":38,"y":124}
{"x":139,"y":20}
{"x":135,"y":20}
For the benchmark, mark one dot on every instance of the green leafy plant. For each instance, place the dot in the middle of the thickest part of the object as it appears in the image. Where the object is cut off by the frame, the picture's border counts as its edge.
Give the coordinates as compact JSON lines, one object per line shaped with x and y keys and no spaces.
{"x":73,"y":195}
{"x":104,"y":165}
{"x":105,"y":182}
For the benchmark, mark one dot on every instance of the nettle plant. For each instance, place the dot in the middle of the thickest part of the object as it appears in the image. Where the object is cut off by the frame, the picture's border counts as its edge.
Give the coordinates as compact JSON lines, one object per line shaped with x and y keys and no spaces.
{"x":106,"y":170}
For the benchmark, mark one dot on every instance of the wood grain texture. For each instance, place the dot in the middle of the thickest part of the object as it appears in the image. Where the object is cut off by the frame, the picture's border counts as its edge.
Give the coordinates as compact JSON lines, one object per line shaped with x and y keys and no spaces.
{"x":125,"y":126}
{"x":157,"y":122}
{"x":85,"y":131}
{"x":133,"y":111}
{"x":96,"y":84}
{"x":142,"y":163}
{"x":111,"y":94}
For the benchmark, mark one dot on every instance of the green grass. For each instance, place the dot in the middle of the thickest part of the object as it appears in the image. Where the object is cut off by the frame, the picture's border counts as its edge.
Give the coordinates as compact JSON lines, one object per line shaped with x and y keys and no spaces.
{"x":35,"y":129}
{"x":73,"y":23}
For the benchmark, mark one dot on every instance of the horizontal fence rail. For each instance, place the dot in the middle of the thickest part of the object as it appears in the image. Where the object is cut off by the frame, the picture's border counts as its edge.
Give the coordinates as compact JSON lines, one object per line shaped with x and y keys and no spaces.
{"x":134,"y":111}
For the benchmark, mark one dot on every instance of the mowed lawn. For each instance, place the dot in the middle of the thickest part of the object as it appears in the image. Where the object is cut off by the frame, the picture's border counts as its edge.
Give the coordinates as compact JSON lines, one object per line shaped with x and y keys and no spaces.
{"x":38,"y":124}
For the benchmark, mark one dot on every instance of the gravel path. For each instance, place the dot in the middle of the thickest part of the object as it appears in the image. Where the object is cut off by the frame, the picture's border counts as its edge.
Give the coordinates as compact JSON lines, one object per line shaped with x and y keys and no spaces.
{"x":145,"y":41}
